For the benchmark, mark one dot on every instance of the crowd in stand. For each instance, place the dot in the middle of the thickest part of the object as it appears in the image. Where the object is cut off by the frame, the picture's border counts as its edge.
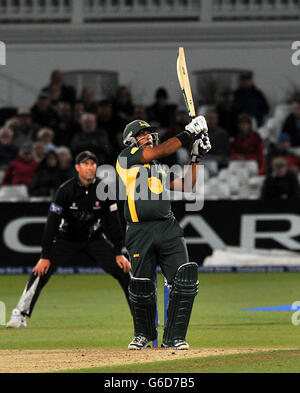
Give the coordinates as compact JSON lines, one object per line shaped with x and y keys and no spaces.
{"x":38,"y":145}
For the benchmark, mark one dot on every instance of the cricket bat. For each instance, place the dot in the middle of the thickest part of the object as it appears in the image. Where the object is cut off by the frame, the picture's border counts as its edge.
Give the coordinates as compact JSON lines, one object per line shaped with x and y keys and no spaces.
{"x":184,"y":82}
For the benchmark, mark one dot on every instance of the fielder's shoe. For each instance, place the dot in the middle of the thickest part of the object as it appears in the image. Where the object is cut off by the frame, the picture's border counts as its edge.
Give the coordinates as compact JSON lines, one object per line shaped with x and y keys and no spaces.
{"x":17,"y":320}
{"x":139,"y":342}
{"x":179,"y":345}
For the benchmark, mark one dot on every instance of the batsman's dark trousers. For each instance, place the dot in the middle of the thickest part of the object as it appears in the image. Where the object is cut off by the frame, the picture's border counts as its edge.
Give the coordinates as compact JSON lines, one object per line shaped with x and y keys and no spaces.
{"x":156,"y":243}
{"x":64,"y":252}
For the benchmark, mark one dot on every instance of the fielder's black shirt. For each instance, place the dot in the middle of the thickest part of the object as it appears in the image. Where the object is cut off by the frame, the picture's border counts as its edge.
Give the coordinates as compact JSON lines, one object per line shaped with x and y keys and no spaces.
{"x":76,"y":214}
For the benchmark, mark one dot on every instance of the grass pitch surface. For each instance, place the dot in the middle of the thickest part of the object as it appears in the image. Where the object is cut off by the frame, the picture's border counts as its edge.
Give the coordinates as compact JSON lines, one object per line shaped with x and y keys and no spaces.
{"x":90,"y":312}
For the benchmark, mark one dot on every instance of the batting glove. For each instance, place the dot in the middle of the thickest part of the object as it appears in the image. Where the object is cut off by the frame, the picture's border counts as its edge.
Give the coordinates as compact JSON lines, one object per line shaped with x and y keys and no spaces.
{"x":201,"y":146}
{"x":196,"y":126}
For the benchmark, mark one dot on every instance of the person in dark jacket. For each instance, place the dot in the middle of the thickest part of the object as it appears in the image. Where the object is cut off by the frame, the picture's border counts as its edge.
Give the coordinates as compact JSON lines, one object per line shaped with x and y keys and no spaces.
{"x":282,"y":183}
{"x":48,"y":177}
{"x":250,"y":99}
{"x":291,"y":125}
{"x":8,"y":150}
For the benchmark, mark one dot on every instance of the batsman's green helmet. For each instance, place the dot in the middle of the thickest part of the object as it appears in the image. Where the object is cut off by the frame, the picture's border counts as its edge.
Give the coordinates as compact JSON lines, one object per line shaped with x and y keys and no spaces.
{"x":133,"y":129}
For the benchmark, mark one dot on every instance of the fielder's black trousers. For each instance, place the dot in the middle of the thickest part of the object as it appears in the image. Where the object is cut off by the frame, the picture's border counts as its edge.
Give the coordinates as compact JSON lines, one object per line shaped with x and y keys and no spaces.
{"x":64,"y":253}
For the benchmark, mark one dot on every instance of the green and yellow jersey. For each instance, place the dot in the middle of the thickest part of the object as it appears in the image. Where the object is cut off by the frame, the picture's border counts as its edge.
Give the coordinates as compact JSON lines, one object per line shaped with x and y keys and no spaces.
{"x":147,"y":196}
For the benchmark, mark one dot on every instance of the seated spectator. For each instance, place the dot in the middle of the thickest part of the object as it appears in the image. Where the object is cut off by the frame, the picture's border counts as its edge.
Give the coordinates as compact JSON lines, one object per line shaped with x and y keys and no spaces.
{"x":42,"y":112}
{"x":248,"y":144}
{"x":106,"y":118}
{"x":66,"y":162}
{"x":220,"y":150}
{"x":93,"y":139}
{"x":14,"y":124}
{"x":181,"y":120}
{"x":28,"y":128}
{"x":78,"y":111}
{"x":250,"y":99}
{"x":282,"y":149}
{"x":21,"y":170}
{"x":58,"y":90}
{"x":88,"y":100}
{"x":228,"y":112}
{"x":65,"y":127}
{"x":46,"y":136}
{"x":39,"y":151}
{"x":47,"y":178}
{"x":161,"y":111}
{"x":291,"y":125}
{"x":123,"y":107}
{"x":282,"y":183}
{"x":8,"y":150}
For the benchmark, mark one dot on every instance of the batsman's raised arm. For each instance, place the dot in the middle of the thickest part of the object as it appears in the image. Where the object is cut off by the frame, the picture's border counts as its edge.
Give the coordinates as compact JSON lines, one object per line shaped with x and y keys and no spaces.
{"x":201,"y":146}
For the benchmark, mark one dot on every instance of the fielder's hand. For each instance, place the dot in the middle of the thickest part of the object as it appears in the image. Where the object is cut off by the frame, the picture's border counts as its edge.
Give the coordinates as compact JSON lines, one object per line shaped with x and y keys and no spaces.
{"x":123,"y":263}
{"x":41,"y":267}
{"x":201,"y":146}
{"x":196,"y":126}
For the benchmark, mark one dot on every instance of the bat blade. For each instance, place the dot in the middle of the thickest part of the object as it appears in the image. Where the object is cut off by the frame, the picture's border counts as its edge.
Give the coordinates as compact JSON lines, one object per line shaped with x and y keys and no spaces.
{"x":184,"y":82}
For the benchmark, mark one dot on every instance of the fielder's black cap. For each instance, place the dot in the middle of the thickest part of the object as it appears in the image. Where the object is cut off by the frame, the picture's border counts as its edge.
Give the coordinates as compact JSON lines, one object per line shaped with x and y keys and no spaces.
{"x":85,"y":155}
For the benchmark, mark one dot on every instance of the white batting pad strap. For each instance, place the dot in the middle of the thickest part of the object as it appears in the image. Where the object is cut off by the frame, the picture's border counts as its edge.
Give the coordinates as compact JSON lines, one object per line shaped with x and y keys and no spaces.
{"x":113,"y":207}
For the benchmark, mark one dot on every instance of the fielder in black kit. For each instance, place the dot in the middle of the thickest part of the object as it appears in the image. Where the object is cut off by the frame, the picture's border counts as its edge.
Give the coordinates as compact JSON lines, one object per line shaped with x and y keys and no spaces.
{"x":78,"y":222}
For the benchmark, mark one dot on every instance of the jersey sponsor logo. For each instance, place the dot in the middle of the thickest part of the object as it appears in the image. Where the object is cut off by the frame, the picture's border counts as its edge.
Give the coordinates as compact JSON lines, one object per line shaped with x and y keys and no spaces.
{"x":55,"y":208}
{"x":74,"y":206}
{"x":113,"y":207}
{"x":97,"y":206}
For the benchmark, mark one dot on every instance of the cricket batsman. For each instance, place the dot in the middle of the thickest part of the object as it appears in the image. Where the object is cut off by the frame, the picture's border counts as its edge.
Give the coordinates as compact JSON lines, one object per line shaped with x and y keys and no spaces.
{"x":153,"y":235}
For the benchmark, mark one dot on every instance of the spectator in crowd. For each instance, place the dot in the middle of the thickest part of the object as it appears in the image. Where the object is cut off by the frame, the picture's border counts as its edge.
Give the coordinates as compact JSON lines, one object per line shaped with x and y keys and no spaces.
{"x":282,"y":149}
{"x":58,"y":90}
{"x":248,"y":144}
{"x":46,"y":136}
{"x":123,"y":107}
{"x":181,"y":120}
{"x":65,"y":127}
{"x":48,"y":177}
{"x":88,"y":100}
{"x":66,"y":162}
{"x":93,"y":139}
{"x":106,"y":118}
{"x":21,"y":170}
{"x":8,"y":150}
{"x":228,"y":112}
{"x":291,"y":125}
{"x":42,"y":112}
{"x":282,"y":183}
{"x":250,"y":99}
{"x":39,"y":151}
{"x":221,"y":147}
{"x":161,"y":111}
{"x":27,"y":127}
{"x":14,"y":124}
{"x":78,"y":111}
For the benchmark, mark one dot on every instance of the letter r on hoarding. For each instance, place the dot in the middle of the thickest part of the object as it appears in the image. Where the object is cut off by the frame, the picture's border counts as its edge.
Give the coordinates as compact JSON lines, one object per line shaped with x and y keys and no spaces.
{"x":2,"y":53}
